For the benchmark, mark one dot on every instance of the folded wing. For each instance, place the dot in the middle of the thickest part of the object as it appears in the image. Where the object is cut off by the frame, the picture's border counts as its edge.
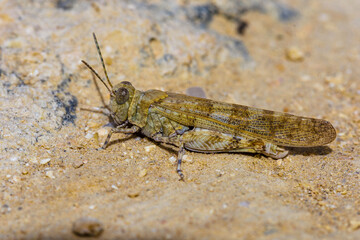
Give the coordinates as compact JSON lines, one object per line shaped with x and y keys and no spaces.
{"x":274,"y":127}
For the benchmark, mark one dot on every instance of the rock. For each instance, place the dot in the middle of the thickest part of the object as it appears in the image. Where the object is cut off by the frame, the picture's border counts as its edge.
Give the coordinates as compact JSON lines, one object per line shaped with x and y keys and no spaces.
{"x":50,"y":174}
{"x":65,"y":4}
{"x":78,"y":163}
{"x":87,"y":227}
{"x":149,"y":148}
{"x":196,"y":92}
{"x":294,"y":54}
{"x":143,"y":173}
{"x":133,"y":194}
{"x":355,"y":224}
{"x":44,"y":161}
{"x":173,"y":159}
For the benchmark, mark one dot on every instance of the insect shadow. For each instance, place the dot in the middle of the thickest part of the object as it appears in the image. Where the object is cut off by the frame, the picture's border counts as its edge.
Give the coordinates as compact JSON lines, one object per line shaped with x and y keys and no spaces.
{"x":303,"y":151}
{"x":307,"y":151}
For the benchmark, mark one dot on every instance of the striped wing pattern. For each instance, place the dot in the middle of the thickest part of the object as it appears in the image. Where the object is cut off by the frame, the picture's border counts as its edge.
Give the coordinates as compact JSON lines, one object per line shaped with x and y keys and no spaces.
{"x":274,"y":127}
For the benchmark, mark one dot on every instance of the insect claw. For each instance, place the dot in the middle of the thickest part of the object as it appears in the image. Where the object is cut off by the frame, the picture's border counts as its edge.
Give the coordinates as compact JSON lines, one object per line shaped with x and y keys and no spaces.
{"x":274,"y":151}
{"x":180,"y":156}
{"x":181,"y":175}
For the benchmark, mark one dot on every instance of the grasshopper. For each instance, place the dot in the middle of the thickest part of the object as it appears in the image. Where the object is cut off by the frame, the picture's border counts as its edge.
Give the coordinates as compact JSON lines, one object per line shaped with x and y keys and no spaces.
{"x":207,"y":126}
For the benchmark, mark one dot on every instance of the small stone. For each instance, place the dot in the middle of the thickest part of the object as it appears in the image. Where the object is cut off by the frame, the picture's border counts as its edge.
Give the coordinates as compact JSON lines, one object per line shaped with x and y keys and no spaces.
{"x":77,"y":163}
{"x":149,"y":148}
{"x":294,"y":54}
{"x":196,"y":92}
{"x":334,"y":80}
{"x":16,"y":178}
{"x":87,"y":227}
{"x":187,"y":158}
{"x":5,"y":209}
{"x":14,"y":158}
{"x":50,"y":174}
{"x":219,"y":173}
{"x":44,"y":161}
{"x":172,"y":159}
{"x":133,"y":194}
{"x":89,"y":135}
{"x":143,"y":173}
{"x":305,"y":78}
{"x":34,"y":160}
{"x":244,"y":204}
{"x":355,"y":224}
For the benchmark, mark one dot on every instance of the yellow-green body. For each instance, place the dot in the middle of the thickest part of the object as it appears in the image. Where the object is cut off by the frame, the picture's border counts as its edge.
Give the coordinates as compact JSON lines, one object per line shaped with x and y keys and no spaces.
{"x":205,"y":125}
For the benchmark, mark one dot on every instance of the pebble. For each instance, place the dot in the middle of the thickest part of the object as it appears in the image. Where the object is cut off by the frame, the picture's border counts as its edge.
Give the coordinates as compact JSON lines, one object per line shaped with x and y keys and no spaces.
{"x":244,"y":204}
{"x":334,"y":80}
{"x":50,"y":174}
{"x":196,"y":92}
{"x":16,"y":178}
{"x":34,"y":160}
{"x":355,"y":224}
{"x":5,"y":209}
{"x":172,"y":159}
{"x":219,"y":173}
{"x":77,"y":163}
{"x":89,"y":135}
{"x":87,"y":227}
{"x":149,"y":148}
{"x":143,"y":173}
{"x":294,"y":54}
{"x":133,"y":194}
{"x":14,"y":158}
{"x":187,"y":158}
{"x":44,"y":161}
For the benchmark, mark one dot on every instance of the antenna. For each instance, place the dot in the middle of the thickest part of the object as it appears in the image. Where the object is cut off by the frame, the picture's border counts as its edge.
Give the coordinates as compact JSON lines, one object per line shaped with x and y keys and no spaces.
{"x":97,"y":75}
{"x":102,"y":60}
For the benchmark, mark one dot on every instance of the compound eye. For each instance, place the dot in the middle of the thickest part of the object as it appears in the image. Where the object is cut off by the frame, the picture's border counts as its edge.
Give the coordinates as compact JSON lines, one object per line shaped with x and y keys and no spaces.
{"x":121,"y":95}
{"x":126,"y":82}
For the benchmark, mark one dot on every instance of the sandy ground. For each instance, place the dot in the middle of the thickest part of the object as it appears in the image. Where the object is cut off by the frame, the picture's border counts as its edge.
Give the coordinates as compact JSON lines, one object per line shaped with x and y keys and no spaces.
{"x":52,"y":175}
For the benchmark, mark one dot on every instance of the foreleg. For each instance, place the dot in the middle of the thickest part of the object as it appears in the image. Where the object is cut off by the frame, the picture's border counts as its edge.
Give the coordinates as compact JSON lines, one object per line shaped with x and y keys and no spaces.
{"x":119,"y":129}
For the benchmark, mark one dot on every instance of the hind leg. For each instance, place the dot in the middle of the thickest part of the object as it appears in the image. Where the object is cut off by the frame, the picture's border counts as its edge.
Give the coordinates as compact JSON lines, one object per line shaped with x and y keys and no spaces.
{"x":203,"y":140}
{"x":274,"y":151}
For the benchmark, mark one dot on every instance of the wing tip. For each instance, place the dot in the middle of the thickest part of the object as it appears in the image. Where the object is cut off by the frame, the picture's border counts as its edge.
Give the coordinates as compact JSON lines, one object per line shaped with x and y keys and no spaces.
{"x":329,"y":132}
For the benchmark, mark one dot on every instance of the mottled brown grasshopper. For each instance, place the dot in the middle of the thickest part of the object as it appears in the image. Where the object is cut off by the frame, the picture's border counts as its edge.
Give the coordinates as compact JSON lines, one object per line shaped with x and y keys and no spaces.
{"x":207,"y":126}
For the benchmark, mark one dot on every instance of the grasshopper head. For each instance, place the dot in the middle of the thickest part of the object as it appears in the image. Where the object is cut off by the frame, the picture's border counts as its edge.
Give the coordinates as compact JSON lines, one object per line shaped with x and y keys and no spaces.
{"x":120,"y":95}
{"x":120,"y":101}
